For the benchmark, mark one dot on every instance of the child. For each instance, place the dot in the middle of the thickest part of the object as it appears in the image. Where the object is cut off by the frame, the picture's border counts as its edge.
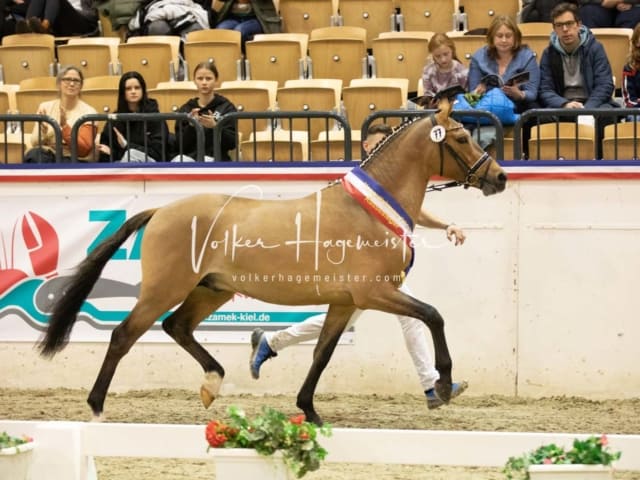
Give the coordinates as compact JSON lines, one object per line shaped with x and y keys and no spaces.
{"x":445,"y":70}
{"x":631,"y":73}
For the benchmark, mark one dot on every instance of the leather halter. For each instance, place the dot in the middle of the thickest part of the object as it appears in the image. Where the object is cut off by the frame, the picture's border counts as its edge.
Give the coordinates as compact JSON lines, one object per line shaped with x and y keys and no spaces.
{"x":471,"y":176}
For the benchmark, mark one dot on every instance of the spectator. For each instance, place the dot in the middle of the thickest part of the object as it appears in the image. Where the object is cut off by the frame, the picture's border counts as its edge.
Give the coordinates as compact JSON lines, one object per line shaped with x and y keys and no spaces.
{"x":11,"y":11}
{"x":609,"y":13}
{"x":506,"y":56}
{"x":249,"y":17}
{"x":631,"y":72}
{"x":63,"y":18}
{"x":537,"y":10}
{"x":168,"y":17}
{"x":134,"y":141}
{"x":445,"y":70}
{"x":66,"y":110}
{"x":574,"y":69}
{"x":206,"y":108}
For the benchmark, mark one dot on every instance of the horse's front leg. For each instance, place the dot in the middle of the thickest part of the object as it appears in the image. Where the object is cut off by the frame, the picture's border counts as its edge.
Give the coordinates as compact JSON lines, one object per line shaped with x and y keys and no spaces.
{"x":336,"y":320}
{"x":391,"y":300}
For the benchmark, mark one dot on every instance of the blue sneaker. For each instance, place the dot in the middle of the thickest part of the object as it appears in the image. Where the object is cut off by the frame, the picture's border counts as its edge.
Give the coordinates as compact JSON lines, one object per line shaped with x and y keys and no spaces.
{"x":433,"y":401}
{"x":260,"y":352}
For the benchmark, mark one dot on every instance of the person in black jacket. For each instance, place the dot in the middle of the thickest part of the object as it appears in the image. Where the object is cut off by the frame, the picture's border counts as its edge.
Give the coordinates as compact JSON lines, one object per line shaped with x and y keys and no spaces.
{"x":207,"y":108}
{"x":138,"y":140}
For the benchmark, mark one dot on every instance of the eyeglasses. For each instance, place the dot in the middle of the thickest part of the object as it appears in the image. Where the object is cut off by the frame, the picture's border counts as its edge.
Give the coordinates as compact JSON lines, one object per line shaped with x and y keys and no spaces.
{"x":563,"y":25}
{"x":71,"y":80}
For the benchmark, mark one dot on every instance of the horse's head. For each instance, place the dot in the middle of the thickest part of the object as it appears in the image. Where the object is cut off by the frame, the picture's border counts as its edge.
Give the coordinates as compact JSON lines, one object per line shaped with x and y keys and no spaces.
{"x":461,"y":158}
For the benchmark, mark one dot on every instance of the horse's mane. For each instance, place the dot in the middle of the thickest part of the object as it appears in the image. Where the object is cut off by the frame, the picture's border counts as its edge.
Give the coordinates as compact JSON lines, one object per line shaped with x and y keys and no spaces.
{"x":385,"y":141}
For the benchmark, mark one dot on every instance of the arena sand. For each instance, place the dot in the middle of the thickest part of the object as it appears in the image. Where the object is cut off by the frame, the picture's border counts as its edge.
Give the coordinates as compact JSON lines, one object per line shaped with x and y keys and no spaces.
{"x":493,"y":413}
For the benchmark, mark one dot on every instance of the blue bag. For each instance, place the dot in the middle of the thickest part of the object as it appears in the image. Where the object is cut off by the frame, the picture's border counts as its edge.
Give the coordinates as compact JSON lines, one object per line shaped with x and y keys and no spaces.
{"x":494,"y":101}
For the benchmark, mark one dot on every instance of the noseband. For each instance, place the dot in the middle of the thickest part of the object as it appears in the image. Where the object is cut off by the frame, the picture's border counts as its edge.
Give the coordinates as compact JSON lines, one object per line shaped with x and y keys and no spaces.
{"x":471,"y":175}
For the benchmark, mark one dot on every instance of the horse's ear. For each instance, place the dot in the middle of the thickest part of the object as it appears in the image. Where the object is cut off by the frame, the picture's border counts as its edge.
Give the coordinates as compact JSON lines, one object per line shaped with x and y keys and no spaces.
{"x":446,"y":97}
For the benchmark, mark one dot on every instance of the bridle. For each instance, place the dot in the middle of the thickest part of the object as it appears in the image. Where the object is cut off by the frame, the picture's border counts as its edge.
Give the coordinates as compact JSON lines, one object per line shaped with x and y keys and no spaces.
{"x":471,"y":173}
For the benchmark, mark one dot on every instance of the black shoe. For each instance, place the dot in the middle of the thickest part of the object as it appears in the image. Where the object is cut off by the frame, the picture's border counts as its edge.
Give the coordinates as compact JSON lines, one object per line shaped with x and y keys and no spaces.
{"x":35,"y":25}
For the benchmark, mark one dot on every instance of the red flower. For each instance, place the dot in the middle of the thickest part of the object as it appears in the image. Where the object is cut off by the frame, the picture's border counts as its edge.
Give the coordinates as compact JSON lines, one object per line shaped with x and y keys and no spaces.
{"x":604,"y":440}
{"x":297,"y":420}
{"x":215,"y":433}
{"x":304,"y":436}
{"x":547,"y":461}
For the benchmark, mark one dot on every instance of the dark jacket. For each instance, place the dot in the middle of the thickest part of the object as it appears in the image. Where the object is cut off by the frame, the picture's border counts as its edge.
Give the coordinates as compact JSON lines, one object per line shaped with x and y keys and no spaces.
{"x":594,"y":68}
{"x":264,"y":10}
{"x":186,"y":132}
{"x":154,"y":133}
{"x":630,"y":87}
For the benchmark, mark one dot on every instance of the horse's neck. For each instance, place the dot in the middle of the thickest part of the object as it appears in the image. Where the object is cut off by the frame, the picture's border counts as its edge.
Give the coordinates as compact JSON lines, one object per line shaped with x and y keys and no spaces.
{"x":402,"y":177}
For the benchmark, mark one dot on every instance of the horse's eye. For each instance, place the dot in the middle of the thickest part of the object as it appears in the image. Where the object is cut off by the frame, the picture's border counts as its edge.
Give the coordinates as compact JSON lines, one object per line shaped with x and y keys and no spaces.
{"x":463,"y":140}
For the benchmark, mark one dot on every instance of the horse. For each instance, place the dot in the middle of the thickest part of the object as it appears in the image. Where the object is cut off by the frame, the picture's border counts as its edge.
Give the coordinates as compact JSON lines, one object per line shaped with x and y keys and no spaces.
{"x":348,"y":245}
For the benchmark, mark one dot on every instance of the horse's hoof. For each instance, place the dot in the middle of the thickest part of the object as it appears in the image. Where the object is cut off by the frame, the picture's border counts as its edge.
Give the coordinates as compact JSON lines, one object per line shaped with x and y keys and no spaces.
{"x":443,"y":391}
{"x":210,"y":388}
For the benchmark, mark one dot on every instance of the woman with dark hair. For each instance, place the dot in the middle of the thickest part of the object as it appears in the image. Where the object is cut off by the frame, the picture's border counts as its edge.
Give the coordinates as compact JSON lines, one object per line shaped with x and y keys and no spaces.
{"x":207,"y":109}
{"x":136,"y":140}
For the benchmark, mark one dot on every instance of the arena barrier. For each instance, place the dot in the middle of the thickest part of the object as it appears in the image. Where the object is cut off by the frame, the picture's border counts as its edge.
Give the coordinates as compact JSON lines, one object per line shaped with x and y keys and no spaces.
{"x":66,"y":450}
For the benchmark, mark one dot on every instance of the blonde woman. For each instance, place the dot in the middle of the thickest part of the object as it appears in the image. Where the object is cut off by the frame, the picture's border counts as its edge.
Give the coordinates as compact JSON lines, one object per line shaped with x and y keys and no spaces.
{"x":65,"y":109}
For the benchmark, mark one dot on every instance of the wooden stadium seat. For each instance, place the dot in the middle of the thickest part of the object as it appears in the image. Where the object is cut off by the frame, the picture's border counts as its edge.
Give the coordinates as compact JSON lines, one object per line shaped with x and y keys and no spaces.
{"x":25,"y":61}
{"x":303,"y":16}
{"x":561,"y":143}
{"x":276,"y":56}
{"x":366,"y":96}
{"x":434,"y":15}
{"x":28,"y":101}
{"x":156,"y":57}
{"x":616,"y":44}
{"x":251,"y":96}
{"x":375,"y":16}
{"x":536,"y":42}
{"x":467,"y":45}
{"x":480,"y":13}
{"x":219,"y":45}
{"x":95,"y":56}
{"x":102,"y":82}
{"x":38,"y":83}
{"x":275,"y":146}
{"x":12,"y":148}
{"x":621,"y":141}
{"x":41,"y":39}
{"x":401,"y":54}
{"x":334,"y":140}
{"x":338,"y":52}
{"x":310,"y":95}
{"x":536,"y":28}
{"x":171,"y":96}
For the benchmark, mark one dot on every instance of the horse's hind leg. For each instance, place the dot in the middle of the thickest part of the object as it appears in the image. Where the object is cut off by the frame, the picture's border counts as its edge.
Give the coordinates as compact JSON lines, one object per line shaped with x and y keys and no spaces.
{"x":336,"y":320}
{"x":394,"y":301}
{"x":180,"y":325}
{"x":123,"y":337}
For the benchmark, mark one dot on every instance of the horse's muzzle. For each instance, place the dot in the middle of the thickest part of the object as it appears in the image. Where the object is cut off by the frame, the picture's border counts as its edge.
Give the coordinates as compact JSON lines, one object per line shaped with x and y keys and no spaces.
{"x":494,"y":185}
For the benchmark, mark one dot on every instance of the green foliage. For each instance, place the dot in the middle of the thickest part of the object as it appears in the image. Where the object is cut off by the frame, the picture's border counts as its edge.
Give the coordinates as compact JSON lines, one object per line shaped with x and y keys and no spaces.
{"x":592,"y":451}
{"x":7,"y":441}
{"x":269,"y":432}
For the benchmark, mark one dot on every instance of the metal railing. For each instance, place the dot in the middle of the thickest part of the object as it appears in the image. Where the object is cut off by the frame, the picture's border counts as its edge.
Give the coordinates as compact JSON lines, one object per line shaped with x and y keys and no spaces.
{"x":12,"y":127}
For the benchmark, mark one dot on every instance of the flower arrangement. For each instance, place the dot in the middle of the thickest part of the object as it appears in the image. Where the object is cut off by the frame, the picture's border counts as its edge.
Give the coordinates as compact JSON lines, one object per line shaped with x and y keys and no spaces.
{"x":7,"y":441}
{"x":270,"y":432}
{"x":591,"y":451}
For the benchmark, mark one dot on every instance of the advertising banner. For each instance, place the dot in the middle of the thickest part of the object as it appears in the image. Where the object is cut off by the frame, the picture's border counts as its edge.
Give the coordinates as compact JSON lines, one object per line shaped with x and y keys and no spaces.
{"x":42,"y":240}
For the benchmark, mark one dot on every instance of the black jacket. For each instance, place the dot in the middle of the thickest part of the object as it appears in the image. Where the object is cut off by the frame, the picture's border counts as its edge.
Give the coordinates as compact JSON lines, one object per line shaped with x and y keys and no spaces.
{"x":154,"y":133}
{"x":186,"y":132}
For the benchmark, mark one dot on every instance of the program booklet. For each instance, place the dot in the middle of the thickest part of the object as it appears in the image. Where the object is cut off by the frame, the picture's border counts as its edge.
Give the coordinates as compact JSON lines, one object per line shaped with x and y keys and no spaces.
{"x":494,"y":80}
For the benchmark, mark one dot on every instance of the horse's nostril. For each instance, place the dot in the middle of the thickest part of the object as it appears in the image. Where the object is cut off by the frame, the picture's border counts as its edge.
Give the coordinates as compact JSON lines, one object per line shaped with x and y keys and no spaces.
{"x":502,"y":177}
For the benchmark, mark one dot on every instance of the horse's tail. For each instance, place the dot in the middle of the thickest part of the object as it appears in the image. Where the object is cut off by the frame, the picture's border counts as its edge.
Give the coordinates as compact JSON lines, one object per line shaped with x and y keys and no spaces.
{"x":66,"y":308}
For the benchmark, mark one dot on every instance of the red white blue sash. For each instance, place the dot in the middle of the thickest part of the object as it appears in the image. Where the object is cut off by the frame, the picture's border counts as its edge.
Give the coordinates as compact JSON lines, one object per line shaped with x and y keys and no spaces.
{"x":379,"y":203}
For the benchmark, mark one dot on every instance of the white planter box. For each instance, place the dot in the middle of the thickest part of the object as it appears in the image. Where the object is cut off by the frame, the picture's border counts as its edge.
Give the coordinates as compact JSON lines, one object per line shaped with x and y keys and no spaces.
{"x":246,"y":463}
{"x":15,"y":461}
{"x":570,"y":472}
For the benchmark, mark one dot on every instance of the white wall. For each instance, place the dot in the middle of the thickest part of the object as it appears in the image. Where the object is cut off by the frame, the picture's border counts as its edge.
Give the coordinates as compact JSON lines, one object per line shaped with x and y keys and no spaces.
{"x":541,"y":300}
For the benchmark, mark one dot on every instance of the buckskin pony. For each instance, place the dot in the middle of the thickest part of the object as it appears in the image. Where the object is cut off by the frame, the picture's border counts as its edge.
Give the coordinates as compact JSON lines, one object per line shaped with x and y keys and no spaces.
{"x":347,"y":245}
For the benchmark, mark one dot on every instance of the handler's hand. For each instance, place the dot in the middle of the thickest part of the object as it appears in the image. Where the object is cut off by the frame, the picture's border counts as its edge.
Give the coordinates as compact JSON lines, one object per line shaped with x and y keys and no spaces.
{"x":455,"y":234}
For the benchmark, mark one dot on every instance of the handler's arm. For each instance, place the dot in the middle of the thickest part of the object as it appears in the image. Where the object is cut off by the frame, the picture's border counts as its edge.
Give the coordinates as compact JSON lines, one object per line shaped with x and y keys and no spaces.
{"x":429,"y":220}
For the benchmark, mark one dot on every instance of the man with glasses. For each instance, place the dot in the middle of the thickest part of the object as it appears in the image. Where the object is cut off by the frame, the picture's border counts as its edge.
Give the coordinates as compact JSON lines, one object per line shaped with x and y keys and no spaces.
{"x":574,"y":70}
